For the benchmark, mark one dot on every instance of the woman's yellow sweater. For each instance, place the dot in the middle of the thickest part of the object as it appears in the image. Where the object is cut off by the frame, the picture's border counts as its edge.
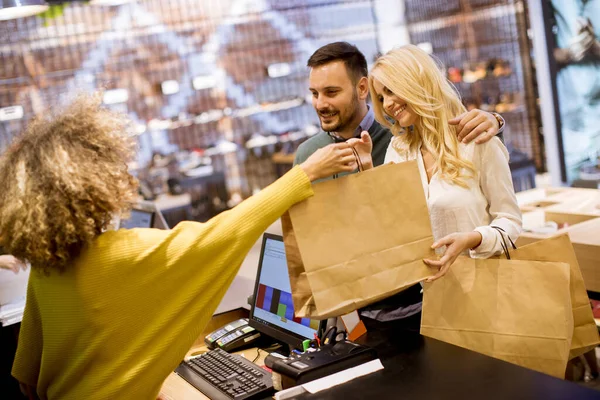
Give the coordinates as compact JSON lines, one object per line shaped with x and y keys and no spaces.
{"x":124,"y":315}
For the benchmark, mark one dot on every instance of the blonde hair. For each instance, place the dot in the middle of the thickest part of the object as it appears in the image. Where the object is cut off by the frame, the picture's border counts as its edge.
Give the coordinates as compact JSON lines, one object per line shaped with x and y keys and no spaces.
{"x":414,"y":76}
{"x":63,"y":180}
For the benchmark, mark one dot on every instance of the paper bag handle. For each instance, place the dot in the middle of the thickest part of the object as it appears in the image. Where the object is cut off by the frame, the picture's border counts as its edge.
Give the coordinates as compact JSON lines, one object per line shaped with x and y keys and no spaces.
{"x":504,"y":236}
{"x":358,"y":161}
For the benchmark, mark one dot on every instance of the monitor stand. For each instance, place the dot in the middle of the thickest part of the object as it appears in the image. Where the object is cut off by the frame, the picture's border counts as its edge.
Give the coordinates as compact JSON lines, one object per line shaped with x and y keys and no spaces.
{"x":272,"y":345}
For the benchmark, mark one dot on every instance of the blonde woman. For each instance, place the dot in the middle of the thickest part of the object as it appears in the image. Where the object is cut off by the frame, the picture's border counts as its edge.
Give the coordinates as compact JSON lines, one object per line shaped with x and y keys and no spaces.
{"x":468,"y":187}
{"x":110,"y":314}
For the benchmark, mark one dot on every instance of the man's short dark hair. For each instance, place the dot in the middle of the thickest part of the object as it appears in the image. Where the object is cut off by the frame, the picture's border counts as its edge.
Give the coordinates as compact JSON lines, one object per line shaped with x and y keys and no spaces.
{"x":354,"y":60}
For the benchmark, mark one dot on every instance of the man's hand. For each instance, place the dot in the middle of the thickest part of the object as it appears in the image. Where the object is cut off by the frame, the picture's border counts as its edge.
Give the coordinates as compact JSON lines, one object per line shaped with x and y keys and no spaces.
{"x":475,"y":124}
{"x":455,"y":244}
{"x":12,"y":263}
{"x":363,"y":146}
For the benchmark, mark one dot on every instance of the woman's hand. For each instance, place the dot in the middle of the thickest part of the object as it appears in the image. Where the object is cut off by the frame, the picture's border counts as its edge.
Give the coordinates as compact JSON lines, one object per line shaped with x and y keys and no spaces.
{"x":363,"y":146}
{"x":12,"y":263}
{"x":329,"y":160}
{"x":455,"y":244}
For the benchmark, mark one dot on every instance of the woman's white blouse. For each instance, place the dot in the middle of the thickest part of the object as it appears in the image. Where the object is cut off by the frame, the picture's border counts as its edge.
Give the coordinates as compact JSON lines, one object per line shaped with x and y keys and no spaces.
{"x":488,"y":201}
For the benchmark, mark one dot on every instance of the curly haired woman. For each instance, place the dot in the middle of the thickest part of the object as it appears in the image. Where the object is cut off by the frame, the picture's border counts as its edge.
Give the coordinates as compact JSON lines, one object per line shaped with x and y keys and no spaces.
{"x":111,"y":313}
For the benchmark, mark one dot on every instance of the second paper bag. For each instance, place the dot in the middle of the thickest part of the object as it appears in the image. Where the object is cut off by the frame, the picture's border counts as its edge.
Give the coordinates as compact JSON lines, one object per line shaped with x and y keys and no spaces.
{"x":517,"y":311}
{"x":358,"y":240}
{"x":560,"y":249}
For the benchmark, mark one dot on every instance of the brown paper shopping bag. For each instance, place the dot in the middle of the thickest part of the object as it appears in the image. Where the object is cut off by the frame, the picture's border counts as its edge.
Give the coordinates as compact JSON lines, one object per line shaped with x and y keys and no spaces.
{"x":560,"y":249}
{"x":358,"y":240}
{"x":513,"y":310}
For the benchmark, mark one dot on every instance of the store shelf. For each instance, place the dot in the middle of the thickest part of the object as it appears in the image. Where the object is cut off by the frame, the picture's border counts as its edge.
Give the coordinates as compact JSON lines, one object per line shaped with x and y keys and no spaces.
{"x":439,"y":49}
{"x":448,"y":10}
{"x":470,"y":32}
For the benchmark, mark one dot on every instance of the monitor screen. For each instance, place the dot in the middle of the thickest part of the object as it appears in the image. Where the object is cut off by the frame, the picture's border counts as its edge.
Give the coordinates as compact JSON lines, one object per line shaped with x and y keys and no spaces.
{"x":273,"y":306}
{"x":138,"y":219}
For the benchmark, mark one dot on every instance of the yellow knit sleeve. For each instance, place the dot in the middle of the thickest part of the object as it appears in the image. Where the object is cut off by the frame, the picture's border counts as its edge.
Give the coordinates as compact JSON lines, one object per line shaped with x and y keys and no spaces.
{"x":210,"y":254}
{"x":240,"y":227}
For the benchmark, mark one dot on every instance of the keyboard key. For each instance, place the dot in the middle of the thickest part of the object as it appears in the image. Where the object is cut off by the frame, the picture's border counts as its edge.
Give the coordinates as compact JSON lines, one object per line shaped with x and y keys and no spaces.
{"x":198,"y":369}
{"x":253,"y":390}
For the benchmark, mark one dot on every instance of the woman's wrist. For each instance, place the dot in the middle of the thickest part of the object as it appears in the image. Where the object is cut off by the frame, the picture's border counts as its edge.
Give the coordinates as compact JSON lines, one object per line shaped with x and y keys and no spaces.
{"x":308,"y":170}
{"x":474,"y":240}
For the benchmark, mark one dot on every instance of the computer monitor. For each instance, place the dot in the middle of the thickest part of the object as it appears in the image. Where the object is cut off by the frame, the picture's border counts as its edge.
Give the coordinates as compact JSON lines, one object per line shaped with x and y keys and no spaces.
{"x":144,"y":214}
{"x":272,"y":309}
{"x":138,"y":219}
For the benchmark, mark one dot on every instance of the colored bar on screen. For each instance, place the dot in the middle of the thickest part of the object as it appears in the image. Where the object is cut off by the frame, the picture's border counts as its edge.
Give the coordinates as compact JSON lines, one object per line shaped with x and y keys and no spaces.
{"x":286,"y":298}
{"x":296,"y":319}
{"x":289,"y":312}
{"x":260,"y":298}
{"x":275,"y":301}
{"x":281,"y":310}
{"x":268,"y":298}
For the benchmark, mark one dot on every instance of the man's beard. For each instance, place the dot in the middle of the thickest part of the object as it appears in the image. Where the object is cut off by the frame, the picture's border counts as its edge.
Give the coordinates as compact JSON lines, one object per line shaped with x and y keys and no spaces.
{"x":345,"y":118}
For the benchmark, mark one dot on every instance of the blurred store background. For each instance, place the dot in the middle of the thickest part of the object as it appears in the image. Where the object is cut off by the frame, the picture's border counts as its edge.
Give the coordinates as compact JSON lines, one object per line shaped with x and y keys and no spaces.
{"x":218,"y":88}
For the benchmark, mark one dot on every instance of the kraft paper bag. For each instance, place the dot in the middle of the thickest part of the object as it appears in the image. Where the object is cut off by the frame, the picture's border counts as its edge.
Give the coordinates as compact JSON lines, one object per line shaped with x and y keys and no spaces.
{"x":514,"y":310}
{"x":358,"y":240}
{"x":560,"y":249}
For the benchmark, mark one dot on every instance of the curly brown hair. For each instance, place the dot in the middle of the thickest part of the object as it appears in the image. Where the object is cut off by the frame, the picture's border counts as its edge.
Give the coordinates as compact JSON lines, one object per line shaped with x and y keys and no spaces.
{"x":64,"y":179}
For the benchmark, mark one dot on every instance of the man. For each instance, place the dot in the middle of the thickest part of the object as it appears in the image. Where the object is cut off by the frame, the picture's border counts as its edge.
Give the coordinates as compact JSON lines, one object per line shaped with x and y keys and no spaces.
{"x":339,"y":86}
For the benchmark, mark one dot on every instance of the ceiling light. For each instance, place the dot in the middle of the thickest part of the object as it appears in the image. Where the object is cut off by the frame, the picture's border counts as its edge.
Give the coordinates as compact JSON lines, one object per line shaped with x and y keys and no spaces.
{"x":11,"y":9}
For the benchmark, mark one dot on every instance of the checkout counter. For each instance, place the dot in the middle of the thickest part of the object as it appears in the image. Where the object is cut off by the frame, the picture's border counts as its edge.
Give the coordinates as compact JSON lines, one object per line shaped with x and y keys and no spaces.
{"x":418,"y":367}
{"x":414,"y":366}
{"x":553,"y":211}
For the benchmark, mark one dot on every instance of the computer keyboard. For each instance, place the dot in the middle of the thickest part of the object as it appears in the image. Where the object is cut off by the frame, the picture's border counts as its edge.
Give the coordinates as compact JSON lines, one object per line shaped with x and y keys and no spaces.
{"x":220,"y":375}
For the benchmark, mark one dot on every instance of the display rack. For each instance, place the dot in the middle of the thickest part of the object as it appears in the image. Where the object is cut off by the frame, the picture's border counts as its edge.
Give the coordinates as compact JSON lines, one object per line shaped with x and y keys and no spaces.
{"x":196,"y":74}
{"x":485,"y":48}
